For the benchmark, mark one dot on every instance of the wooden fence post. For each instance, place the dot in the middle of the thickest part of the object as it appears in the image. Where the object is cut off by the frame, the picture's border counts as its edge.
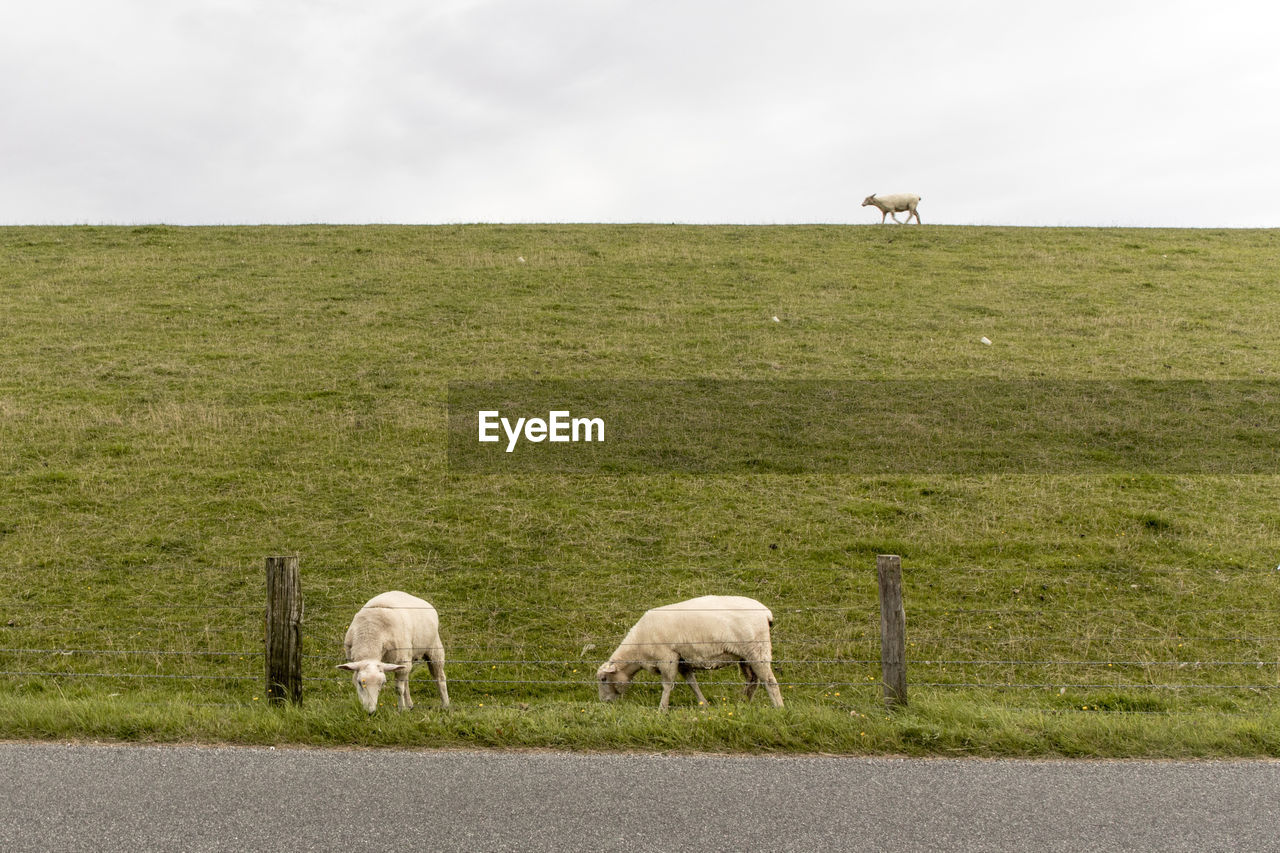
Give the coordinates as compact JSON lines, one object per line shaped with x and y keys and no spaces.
{"x":893,"y":630}
{"x":284,"y":631}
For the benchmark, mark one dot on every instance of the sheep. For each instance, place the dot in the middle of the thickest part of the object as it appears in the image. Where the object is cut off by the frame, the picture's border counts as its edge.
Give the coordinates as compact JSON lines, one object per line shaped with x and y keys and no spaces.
{"x":701,"y":633}
{"x":387,"y":635}
{"x":891,"y":204}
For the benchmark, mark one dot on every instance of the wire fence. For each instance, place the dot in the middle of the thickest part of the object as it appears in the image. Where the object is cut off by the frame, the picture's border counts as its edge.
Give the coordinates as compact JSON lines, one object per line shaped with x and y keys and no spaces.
{"x":1161,"y":633}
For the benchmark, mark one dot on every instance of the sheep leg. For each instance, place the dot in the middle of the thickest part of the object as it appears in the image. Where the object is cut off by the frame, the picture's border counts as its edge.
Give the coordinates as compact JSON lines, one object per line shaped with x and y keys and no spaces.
{"x":665,"y":701}
{"x":667,"y":670}
{"x":435,"y":660}
{"x":765,"y":671}
{"x":750,"y":675}
{"x":893,"y":216}
{"x":693,"y":682}
{"x":405,"y":703}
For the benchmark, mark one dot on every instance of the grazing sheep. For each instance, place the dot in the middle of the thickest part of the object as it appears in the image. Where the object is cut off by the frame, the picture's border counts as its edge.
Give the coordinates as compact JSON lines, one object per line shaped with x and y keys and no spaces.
{"x":891,"y":204}
{"x":387,"y":635}
{"x":702,"y":633}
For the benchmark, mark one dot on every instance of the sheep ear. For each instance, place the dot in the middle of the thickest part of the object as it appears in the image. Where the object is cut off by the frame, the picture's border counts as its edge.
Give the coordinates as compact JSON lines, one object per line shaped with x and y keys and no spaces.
{"x":348,"y":666}
{"x":609,"y":667}
{"x":391,"y":667}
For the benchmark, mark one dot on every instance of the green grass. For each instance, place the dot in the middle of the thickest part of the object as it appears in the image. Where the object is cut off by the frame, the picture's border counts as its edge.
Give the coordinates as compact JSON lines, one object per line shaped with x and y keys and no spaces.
{"x":177,"y":403}
{"x":947,"y":727}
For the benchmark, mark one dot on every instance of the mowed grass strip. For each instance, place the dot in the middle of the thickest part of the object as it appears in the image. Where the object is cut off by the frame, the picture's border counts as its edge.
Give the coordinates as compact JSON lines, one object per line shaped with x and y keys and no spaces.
{"x":177,"y":403}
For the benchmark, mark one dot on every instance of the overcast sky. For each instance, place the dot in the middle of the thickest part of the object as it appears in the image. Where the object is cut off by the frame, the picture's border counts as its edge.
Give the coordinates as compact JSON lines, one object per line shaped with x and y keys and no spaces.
{"x":695,"y":111}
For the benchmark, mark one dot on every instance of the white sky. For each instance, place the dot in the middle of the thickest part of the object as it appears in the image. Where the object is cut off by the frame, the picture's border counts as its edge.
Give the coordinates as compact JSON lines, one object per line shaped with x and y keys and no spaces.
{"x":698,"y":111}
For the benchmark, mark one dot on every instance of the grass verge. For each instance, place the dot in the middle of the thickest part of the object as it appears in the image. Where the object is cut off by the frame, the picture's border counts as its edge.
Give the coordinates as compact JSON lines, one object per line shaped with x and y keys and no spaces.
{"x":945,"y":726}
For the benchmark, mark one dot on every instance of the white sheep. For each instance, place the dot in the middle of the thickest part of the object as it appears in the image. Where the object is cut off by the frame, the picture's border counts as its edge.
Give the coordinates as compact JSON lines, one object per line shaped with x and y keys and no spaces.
{"x":891,"y":204}
{"x":387,"y":635}
{"x":702,"y":633}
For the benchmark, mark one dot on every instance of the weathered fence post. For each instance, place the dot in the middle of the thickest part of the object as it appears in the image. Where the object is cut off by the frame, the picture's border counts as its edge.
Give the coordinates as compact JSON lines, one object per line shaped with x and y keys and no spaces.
{"x":284,"y":631}
{"x":893,"y":630}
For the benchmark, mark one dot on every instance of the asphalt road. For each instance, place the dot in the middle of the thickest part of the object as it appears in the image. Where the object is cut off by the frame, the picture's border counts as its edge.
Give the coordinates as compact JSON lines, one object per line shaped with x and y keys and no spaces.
{"x":104,"y":798}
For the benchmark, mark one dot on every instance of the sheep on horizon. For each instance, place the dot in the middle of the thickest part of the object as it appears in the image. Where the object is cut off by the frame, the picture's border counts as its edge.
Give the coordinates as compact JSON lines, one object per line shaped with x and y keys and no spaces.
{"x":388,"y":634}
{"x":701,"y":633}
{"x":891,"y":204}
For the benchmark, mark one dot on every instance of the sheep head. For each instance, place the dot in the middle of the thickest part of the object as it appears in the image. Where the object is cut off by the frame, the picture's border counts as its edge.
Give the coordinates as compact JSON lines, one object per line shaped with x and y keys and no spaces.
{"x":368,"y":676}
{"x":612,"y":681}
{"x":871,"y":199}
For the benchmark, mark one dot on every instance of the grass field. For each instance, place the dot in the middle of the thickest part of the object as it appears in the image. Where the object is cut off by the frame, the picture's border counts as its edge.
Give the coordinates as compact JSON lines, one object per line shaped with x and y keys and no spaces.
{"x":177,"y":403}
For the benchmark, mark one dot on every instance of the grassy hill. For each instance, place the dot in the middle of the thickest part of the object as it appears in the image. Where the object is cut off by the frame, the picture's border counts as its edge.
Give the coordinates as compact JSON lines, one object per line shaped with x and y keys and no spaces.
{"x":177,"y":403}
